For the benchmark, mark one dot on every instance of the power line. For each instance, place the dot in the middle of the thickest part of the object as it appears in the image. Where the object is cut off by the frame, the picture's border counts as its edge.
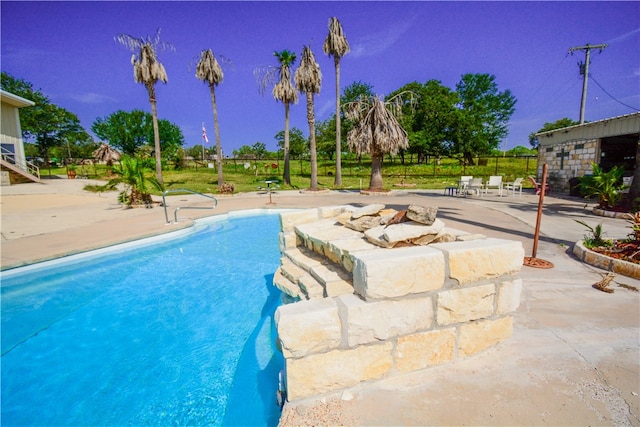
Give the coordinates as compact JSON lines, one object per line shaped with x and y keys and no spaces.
{"x":611,"y":96}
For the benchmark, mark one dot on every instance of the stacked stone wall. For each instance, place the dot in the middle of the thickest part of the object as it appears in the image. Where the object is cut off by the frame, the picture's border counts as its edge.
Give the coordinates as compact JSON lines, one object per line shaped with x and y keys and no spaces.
{"x":567,"y":160}
{"x":395,"y":311}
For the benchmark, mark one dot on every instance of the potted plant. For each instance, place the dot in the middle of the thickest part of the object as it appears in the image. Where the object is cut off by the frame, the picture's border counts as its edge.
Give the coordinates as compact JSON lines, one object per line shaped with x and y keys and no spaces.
{"x":71,"y":171}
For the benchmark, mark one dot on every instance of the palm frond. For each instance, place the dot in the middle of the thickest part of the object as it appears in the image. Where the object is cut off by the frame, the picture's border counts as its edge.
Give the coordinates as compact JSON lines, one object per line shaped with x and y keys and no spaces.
{"x":308,"y":77}
{"x":336,"y":43}
{"x":209,"y":69}
{"x":376,"y":129}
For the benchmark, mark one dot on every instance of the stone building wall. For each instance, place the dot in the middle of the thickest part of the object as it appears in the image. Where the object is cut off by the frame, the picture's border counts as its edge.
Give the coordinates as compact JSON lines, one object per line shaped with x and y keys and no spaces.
{"x":567,"y":160}
{"x":359,"y":312}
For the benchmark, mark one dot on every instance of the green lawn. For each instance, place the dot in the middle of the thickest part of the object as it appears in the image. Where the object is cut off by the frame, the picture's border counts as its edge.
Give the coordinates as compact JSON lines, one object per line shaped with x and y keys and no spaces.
{"x":249,"y":175}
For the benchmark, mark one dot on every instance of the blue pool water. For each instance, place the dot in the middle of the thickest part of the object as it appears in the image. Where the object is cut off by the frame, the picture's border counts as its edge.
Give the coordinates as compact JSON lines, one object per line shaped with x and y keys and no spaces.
{"x":179,"y":332}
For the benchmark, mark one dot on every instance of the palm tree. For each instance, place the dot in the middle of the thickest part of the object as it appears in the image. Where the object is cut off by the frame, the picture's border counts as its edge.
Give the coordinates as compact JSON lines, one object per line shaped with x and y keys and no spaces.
{"x":284,"y":92}
{"x":377,"y":132}
{"x":106,"y":153}
{"x":132,"y":173}
{"x":308,"y":79}
{"x":148,"y":70}
{"x":208,"y":70}
{"x":336,"y":45}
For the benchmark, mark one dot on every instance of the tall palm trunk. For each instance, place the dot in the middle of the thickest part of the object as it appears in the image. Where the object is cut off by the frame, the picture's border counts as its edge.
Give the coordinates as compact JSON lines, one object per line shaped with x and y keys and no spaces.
{"x":287,"y":174}
{"x":156,"y":134}
{"x":217,"y":131}
{"x":375,"y":183}
{"x":312,"y":142}
{"x":338,"y":178}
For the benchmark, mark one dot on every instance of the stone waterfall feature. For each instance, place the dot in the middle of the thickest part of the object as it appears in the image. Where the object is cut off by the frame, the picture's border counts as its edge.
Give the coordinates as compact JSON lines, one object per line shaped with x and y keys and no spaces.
{"x":372,"y":293}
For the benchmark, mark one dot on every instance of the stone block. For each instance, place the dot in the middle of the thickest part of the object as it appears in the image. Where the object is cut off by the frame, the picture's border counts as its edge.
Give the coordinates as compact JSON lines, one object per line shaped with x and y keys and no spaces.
{"x":509,"y":296}
{"x":410,"y":230}
{"x":333,"y":211}
{"x":288,"y":241}
{"x":342,"y":250}
{"x":482,"y":259}
{"x":336,"y":370}
{"x":425,"y":349}
{"x":477,"y":336}
{"x":336,"y":288}
{"x":398,"y":272}
{"x":310,"y":287}
{"x":466,"y":304}
{"x":285,"y":285}
{"x":368,"y":322}
{"x":289,"y":219}
{"x":422,"y":214}
{"x":304,"y":259}
{"x":308,"y":327}
{"x":367,"y":210}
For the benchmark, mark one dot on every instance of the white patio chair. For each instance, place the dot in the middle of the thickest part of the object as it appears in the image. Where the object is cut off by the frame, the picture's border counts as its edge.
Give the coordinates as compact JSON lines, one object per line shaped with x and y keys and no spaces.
{"x":475,"y":186}
{"x":515,"y":185}
{"x":494,"y":182}
{"x":463,"y":184}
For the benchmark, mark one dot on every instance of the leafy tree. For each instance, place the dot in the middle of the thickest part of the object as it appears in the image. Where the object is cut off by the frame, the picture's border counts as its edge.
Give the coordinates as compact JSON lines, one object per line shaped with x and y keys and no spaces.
{"x":548,"y":126}
{"x":336,"y":45}
{"x":259,"y":149}
{"x":245,"y":151}
{"x":297,"y":142}
{"x":429,"y":118}
{"x":208,"y":70}
{"x":325,"y":137}
{"x":284,"y":92}
{"x":308,"y":80}
{"x":126,"y":131}
{"x":148,"y":70}
{"x":376,"y":132}
{"x":482,"y":117}
{"x":195,"y":151}
{"x":131,"y":131}
{"x":520,"y":151}
{"x":171,"y":137}
{"x":46,"y":124}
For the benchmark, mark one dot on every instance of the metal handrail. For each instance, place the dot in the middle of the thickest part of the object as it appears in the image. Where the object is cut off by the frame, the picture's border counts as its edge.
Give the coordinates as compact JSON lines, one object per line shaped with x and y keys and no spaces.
{"x":184,"y":190}
{"x":12,"y":158}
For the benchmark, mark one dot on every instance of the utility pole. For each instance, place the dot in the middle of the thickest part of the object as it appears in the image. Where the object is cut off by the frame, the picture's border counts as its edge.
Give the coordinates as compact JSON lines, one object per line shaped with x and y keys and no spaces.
{"x":584,"y":70}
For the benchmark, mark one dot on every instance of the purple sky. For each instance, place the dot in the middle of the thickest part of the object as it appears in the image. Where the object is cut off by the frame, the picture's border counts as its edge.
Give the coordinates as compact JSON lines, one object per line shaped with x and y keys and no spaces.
{"x":67,"y":50}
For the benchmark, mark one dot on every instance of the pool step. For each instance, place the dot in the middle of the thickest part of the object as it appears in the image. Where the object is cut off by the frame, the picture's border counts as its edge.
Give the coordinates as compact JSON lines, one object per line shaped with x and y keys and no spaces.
{"x":305,"y":275}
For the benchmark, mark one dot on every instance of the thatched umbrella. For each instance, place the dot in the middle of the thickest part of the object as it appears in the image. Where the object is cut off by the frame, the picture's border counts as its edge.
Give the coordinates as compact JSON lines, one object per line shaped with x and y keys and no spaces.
{"x":106,"y":153}
{"x":376,"y":132}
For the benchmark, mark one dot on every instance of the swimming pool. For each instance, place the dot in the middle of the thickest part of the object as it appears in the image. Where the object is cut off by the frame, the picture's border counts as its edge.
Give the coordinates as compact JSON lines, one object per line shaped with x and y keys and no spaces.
{"x":176,"y":332}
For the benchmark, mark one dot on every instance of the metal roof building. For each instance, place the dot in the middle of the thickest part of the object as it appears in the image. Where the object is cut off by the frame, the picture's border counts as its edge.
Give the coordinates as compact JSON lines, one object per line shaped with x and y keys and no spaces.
{"x":569,"y":152}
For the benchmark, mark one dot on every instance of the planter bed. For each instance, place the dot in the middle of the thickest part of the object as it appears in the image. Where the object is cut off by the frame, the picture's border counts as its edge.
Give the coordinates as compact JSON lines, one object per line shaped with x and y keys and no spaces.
{"x":599,"y":260}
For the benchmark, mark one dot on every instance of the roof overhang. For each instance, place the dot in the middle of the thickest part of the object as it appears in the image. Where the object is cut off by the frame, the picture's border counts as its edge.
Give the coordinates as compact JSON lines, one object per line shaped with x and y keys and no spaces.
{"x":15,"y":100}
{"x":614,"y":126}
